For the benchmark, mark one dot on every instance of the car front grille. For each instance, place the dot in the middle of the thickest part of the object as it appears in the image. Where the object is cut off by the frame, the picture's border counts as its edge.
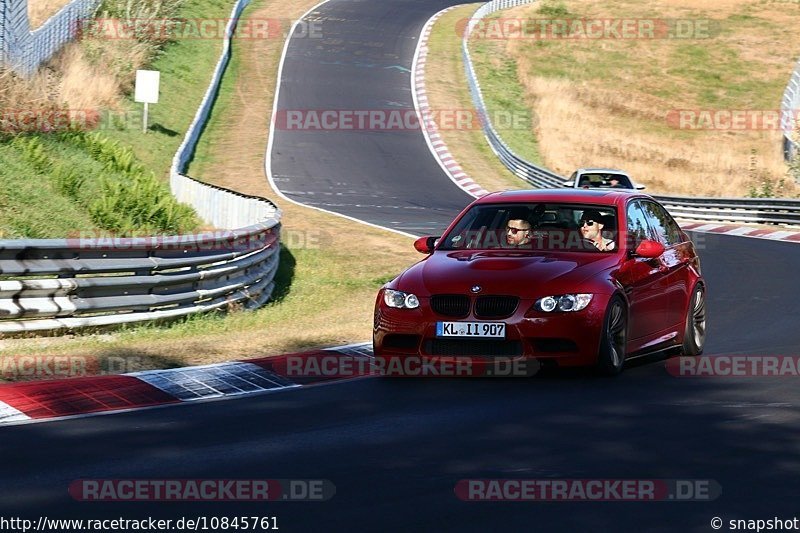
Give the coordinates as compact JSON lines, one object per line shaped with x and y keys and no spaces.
{"x":496,"y":306}
{"x":473,"y":348}
{"x":454,"y":305}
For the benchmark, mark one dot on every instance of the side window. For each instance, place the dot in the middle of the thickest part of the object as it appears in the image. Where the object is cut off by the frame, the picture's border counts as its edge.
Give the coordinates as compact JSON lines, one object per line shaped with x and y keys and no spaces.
{"x":638,"y":229}
{"x":664,"y":227}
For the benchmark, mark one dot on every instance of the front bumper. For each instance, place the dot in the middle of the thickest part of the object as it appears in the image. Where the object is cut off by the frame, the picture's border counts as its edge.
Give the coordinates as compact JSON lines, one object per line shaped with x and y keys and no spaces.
{"x":567,"y":339}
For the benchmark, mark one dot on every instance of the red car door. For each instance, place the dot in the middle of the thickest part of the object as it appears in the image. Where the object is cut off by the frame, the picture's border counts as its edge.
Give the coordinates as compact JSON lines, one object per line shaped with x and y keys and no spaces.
{"x":676,"y":259}
{"x":644,"y":281}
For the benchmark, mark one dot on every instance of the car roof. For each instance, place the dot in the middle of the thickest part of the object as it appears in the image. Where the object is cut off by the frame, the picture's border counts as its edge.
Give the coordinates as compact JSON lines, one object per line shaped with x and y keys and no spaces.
{"x":601,"y":171}
{"x":579,"y":196}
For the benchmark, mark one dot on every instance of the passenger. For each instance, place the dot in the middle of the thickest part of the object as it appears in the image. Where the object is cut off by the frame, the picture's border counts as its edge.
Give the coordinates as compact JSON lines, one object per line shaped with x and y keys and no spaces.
{"x":591,"y":227}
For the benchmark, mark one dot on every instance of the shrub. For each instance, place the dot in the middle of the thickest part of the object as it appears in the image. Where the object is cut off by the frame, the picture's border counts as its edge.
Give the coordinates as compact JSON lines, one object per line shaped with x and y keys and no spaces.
{"x":120,"y":195}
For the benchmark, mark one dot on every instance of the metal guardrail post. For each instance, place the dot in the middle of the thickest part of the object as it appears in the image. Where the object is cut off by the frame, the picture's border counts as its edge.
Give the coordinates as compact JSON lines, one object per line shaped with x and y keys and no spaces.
{"x":790,"y":115}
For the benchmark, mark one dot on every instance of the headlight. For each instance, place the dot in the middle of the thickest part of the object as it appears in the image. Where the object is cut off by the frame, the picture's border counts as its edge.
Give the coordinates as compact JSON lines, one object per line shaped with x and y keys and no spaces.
{"x":400,"y":299}
{"x":564,"y":302}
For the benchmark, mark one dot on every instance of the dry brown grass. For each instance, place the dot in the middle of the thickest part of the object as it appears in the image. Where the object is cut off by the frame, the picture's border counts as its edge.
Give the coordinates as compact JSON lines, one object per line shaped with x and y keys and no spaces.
{"x":618,"y":119}
{"x":103,"y":92}
{"x":582,"y":126}
{"x":41,"y":10}
{"x":20,"y":94}
{"x":61,"y":84}
{"x":618,"y":116}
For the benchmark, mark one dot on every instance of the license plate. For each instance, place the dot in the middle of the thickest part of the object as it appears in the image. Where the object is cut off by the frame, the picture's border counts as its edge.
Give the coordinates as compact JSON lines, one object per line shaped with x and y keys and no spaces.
{"x":488,"y":330}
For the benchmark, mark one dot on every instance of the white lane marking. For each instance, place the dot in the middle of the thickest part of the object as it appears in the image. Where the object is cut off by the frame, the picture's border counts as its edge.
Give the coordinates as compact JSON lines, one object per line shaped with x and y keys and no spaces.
{"x":268,"y":156}
{"x":740,"y":231}
{"x":10,"y":414}
{"x":708,"y":227}
{"x":778,"y":235}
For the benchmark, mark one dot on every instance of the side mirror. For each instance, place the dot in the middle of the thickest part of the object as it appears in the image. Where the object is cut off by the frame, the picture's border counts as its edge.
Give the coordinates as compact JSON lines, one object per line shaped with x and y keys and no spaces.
{"x":424,"y":245}
{"x":570,"y":183}
{"x":649,"y":249}
{"x":639,"y":187}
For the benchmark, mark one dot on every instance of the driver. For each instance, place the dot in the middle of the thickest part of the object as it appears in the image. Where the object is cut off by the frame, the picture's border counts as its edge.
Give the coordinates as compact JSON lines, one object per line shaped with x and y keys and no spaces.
{"x":518,"y":232}
{"x":591,"y":227}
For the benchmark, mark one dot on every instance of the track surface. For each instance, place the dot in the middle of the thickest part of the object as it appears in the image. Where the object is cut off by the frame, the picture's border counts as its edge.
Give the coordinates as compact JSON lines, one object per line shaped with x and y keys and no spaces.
{"x":363,"y":63}
{"x":395,"y":449}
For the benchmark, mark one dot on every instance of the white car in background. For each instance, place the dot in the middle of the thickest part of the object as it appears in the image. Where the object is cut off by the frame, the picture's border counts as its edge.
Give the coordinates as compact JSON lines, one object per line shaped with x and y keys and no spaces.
{"x":601,"y":178}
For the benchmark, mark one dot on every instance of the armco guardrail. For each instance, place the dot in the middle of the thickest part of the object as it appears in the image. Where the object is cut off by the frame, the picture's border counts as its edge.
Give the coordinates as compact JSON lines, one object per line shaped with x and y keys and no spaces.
{"x":749,"y":210}
{"x":96,"y":281}
{"x":790,"y":110}
{"x":24,"y":50}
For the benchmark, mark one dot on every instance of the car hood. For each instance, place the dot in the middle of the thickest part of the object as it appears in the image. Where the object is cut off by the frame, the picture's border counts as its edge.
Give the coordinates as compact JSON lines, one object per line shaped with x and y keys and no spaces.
{"x":526,"y":274}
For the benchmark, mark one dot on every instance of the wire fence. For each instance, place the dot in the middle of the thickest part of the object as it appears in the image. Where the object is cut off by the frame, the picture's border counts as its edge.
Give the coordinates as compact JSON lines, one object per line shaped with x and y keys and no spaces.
{"x":24,"y":50}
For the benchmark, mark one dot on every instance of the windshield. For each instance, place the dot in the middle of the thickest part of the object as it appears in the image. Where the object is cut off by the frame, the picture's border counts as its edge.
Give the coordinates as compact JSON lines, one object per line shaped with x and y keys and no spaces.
{"x":535,"y":226}
{"x":605,"y":180}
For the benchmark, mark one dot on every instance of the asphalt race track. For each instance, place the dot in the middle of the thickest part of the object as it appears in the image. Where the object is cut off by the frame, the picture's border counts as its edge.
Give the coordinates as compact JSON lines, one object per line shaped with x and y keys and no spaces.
{"x":395,"y":449}
{"x":387,"y":177}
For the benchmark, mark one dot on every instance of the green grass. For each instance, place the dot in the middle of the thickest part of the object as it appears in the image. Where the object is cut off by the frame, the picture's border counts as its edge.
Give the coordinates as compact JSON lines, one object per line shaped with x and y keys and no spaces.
{"x":504,"y":96}
{"x":28,"y":200}
{"x":186,"y":68}
{"x":105,"y":180}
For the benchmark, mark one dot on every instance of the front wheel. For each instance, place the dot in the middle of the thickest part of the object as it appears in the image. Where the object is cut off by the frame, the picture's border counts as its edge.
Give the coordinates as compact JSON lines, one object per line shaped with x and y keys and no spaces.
{"x":613,"y":344}
{"x":694,"y":335}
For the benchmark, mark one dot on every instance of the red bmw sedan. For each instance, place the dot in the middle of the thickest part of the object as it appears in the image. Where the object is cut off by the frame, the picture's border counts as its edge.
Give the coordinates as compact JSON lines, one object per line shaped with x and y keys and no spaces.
{"x":575,"y":278}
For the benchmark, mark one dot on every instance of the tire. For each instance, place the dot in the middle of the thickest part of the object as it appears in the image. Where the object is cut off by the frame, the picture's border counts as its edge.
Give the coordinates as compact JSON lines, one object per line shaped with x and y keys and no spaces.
{"x":694,"y":335}
{"x":611,"y":356}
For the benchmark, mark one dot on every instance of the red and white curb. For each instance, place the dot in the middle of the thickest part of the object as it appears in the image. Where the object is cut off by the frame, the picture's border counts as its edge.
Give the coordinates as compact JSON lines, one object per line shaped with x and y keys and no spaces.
{"x":65,"y":398}
{"x":425,"y":114}
{"x":742,"y":231}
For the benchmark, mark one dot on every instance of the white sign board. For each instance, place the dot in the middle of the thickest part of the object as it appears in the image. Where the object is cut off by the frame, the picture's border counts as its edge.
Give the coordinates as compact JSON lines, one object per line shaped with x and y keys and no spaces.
{"x":147,"y":82}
